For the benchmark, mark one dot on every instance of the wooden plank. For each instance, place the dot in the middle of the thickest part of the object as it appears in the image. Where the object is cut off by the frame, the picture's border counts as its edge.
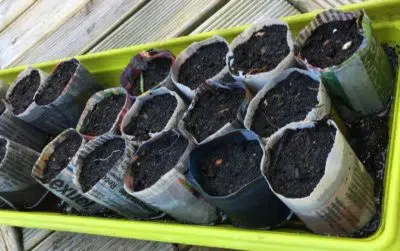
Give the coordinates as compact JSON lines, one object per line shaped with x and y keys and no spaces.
{"x":40,"y":19}
{"x":10,"y":238}
{"x":241,"y":12}
{"x":31,"y":237}
{"x":11,"y":9}
{"x":311,"y":5}
{"x":70,"y":241}
{"x":159,"y":20}
{"x":81,"y":31}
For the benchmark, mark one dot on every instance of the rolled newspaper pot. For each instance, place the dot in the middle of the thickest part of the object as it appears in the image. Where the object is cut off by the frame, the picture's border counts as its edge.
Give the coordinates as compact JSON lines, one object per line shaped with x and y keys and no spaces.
{"x":15,"y":166}
{"x":100,"y":168}
{"x":294,"y":95}
{"x":146,"y":70}
{"x":104,"y":112}
{"x":19,"y":131}
{"x":55,"y":169}
{"x":21,"y":92}
{"x":261,"y":52}
{"x":155,"y":111}
{"x":313,"y":170}
{"x":165,"y":186}
{"x":215,"y":108}
{"x":226,"y":171}
{"x":59,"y":102}
{"x":199,"y":62}
{"x":341,"y":47}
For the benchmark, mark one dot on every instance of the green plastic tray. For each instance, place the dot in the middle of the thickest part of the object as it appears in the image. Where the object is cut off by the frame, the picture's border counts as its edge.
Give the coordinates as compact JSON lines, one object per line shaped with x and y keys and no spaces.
{"x":107,"y":66}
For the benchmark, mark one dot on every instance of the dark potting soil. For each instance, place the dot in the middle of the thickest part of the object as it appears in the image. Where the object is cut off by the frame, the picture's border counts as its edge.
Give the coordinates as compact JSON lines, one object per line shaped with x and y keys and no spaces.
{"x":230,"y":167}
{"x":207,"y":62}
{"x":326,"y":46}
{"x":103,"y":116}
{"x":214,"y":108}
{"x":22,"y":94}
{"x":153,"y":117}
{"x":96,"y":165}
{"x":3,"y":148}
{"x":157,"y":70}
{"x":57,"y":81}
{"x":298,"y":160}
{"x":369,"y":139}
{"x":158,"y":159}
{"x":264,"y":50}
{"x":289,"y":101}
{"x":62,"y":155}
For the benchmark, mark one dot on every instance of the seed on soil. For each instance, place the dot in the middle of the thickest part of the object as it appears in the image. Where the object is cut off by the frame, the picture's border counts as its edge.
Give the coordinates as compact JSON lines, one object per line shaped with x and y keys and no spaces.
{"x":56,"y":82}
{"x":230,"y":167}
{"x":101,"y":160}
{"x":207,"y":62}
{"x":22,"y":94}
{"x":289,"y":101}
{"x":262,"y":52}
{"x":157,"y":159}
{"x":298,"y":160}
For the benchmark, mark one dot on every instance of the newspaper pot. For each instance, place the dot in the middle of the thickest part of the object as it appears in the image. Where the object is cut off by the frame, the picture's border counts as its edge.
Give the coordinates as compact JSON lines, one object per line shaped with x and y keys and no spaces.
{"x":294,"y":95}
{"x":104,"y":112}
{"x":362,"y":80}
{"x":215,"y":109}
{"x":100,"y":168}
{"x":260,"y":53}
{"x":165,"y":187}
{"x":253,"y":205}
{"x":155,"y":111}
{"x":147,"y":70}
{"x":59,"y":102}
{"x":323,"y":182}
{"x":54,"y":170}
{"x":199,"y":62}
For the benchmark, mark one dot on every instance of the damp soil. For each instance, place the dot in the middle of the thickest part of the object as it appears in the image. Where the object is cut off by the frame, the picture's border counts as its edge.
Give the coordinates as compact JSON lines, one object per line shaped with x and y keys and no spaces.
{"x":153,"y":117}
{"x":262,"y":52}
{"x":22,"y":94}
{"x":289,"y":101}
{"x":213,"y":108}
{"x":96,"y":165}
{"x":61,"y":156}
{"x":207,"y":62}
{"x":369,"y":139}
{"x":56,"y":82}
{"x":298,"y":160}
{"x":103,"y":116}
{"x":3,"y":146}
{"x":157,"y":158}
{"x":157,"y":70}
{"x":332,"y":43}
{"x":230,"y":167}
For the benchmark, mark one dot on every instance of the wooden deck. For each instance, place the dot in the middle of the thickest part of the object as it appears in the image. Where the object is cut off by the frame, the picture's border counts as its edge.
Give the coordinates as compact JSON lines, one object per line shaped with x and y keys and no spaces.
{"x":34,"y":31}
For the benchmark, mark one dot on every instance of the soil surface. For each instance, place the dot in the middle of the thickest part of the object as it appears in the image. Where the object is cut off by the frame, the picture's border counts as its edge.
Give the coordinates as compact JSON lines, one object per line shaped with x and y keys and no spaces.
{"x":298,"y":160}
{"x":22,"y":94}
{"x":157,"y":159}
{"x":369,"y":139}
{"x":3,"y":145}
{"x":289,"y":101}
{"x":56,"y":82}
{"x":207,"y":62}
{"x":104,"y":115}
{"x":153,"y":117}
{"x":157,"y":70}
{"x":231,"y":167}
{"x":61,"y":156}
{"x":97,"y":164}
{"x":214,"y":108}
{"x":332,"y":43}
{"x":264,"y":50}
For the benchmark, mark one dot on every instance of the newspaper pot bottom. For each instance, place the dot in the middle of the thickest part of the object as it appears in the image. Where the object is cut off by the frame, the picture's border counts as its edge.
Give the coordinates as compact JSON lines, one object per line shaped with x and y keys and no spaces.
{"x":249,"y":204}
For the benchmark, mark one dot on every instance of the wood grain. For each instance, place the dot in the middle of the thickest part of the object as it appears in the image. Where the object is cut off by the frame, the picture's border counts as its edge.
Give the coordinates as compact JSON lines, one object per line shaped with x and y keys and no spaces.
{"x":11,"y":9}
